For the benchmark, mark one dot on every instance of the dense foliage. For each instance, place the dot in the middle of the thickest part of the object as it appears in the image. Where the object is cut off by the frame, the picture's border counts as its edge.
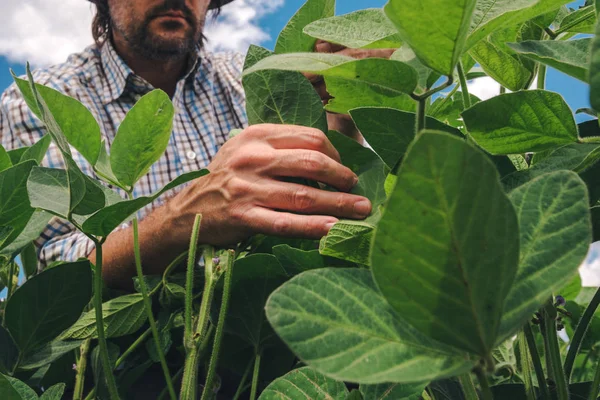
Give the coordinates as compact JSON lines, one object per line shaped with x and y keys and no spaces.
{"x":455,"y":287}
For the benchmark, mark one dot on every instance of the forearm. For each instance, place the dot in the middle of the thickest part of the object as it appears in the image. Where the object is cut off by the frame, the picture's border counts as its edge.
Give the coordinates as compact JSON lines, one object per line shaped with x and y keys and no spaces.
{"x":158,"y":248}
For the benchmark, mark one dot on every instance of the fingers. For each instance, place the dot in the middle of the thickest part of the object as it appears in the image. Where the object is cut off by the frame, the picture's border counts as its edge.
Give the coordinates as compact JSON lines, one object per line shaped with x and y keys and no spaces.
{"x":314,"y":166}
{"x":275,"y":223}
{"x":360,"y":54}
{"x":307,"y":200}
{"x":325,"y":47}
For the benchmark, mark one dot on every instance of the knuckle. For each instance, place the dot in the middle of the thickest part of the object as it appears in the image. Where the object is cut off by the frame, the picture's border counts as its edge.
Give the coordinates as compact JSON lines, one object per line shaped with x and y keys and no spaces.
{"x":282,"y":226}
{"x":313,"y":161}
{"x":317,"y":138}
{"x":342,"y":205}
{"x":237,"y":188}
{"x":253,"y":131}
{"x":302,"y":200}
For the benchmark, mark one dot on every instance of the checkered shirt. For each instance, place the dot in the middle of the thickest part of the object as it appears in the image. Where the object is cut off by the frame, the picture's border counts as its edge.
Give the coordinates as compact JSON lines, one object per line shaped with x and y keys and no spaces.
{"x":209,"y":103}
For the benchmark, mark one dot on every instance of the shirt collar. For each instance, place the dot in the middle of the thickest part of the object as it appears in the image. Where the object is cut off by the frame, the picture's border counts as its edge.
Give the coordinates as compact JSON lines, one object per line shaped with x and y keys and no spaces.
{"x":117,"y":73}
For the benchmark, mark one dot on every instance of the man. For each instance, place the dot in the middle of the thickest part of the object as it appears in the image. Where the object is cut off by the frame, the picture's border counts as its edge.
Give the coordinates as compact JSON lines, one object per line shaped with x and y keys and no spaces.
{"x":147,"y":44}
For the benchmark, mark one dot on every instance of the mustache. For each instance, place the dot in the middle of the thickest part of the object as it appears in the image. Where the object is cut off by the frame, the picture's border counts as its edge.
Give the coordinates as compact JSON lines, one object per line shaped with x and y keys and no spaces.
{"x":172,"y":5}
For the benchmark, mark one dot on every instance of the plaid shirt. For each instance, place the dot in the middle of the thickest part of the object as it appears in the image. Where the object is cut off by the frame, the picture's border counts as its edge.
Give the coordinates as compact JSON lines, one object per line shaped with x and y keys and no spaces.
{"x":209,"y":102}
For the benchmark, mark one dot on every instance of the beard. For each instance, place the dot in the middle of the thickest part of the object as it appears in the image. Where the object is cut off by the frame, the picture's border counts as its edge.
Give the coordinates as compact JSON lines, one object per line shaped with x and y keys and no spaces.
{"x":155,"y":45}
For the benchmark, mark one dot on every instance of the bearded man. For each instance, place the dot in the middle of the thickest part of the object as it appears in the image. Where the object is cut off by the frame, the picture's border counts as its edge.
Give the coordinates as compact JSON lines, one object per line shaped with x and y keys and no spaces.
{"x":142,"y":45}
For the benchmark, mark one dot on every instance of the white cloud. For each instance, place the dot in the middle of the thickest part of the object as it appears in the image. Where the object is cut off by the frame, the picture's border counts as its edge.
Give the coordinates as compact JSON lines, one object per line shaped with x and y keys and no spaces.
{"x":590,"y":269}
{"x":46,"y":31}
{"x":484,"y":88}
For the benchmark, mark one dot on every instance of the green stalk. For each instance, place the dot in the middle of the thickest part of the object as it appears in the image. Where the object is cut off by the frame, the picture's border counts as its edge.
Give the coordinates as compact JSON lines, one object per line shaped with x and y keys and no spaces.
{"x":444,"y":100}
{"x":526,"y":366}
{"x":576,"y":21}
{"x":429,"y":392}
{"x":468,"y":387}
{"x":595,"y":384}
{"x":553,"y":351}
{"x":486,"y":393}
{"x":148,"y":308}
{"x":81,"y":367}
{"x":255,"y":375}
{"x":108,"y":374}
{"x":463,"y":86}
{"x":578,"y":336}
{"x":242,"y":384}
{"x":420,"y":121}
{"x":541,"y":79}
{"x":189,"y":283}
{"x":189,"y":383}
{"x":502,"y":90}
{"x":214,"y":358}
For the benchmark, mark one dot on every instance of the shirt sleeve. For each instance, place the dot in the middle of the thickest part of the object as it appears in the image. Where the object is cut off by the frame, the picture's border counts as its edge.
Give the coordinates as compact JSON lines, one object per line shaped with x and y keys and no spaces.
{"x":19,"y":127}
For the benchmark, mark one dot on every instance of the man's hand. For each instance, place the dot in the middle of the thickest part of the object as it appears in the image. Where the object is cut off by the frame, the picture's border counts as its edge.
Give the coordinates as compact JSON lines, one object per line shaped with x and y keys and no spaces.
{"x":341,"y":122}
{"x":244,"y":194}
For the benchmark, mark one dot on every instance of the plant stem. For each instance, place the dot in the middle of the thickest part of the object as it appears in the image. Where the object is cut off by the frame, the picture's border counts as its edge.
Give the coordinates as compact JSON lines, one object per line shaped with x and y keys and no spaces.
{"x":576,"y":21}
{"x":541,"y":79}
{"x":536,"y":360}
{"x":214,"y":358}
{"x":502,"y":90}
{"x":526,"y":366}
{"x":133,"y":347}
{"x":486,"y":393}
{"x":242,"y":384}
{"x":467,"y":386}
{"x":148,"y":308}
{"x":189,"y":383}
{"x":108,"y":374}
{"x":81,"y":367}
{"x":429,"y":391}
{"x":189,"y":283}
{"x":595,"y":384}
{"x":463,"y":86}
{"x":420,"y":119}
{"x":553,"y":351}
{"x":582,"y":327}
{"x":255,"y":375}
{"x":448,"y":96}
{"x":9,"y":284}
{"x":207,"y":295}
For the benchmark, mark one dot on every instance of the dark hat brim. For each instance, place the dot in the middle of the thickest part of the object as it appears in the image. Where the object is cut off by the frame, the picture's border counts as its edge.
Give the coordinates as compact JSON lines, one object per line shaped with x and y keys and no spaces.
{"x":213,"y":3}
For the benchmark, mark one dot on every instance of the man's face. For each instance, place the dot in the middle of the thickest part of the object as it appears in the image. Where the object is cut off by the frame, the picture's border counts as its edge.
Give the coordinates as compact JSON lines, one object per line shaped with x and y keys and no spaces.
{"x":159,"y":29}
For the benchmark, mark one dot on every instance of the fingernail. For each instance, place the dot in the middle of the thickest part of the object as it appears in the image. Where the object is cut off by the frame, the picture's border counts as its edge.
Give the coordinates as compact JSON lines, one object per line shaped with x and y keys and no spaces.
{"x":362,"y":208}
{"x":355,"y":181}
{"x":329,"y":226}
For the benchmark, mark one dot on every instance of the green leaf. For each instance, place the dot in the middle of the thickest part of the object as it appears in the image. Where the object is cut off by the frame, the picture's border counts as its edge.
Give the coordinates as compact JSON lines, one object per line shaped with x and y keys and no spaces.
{"x":595,"y":71}
{"x":295,"y":261}
{"x":5,"y":162}
{"x":9,"y":353}
{"x":16,"y":154}
{"x":29,"y":260}
{"x":491,"y":15}
{"x":361,"y":29}
{"x":582,"y":20}
{"x":436,"y":30}
{"x":571,"y":57}
{"x":109,"y":218}
{"x":427,"y":77}
{"x":520,"y":122}
{"x":48,"y":189}
{"x":448,"y":271}
{"x":268,"y":101}
{"x":98,"y":368}
{"x":389,"y":131}
{"x":142,"y":137}
{"x":54,"y":392}
{"x":14,"y":389}
{"x":48,"y":354}
{"x":555,"y":234}
{"x":448,"y":110}
{"x":38,"y":151}
{"x":121,"y":316}
{"x":103,"y":168}
{"x":348,"y":240}
{"x":292,"y":38}
{"x":305,"y":383}
{"x":338,"y":323}
{"x":52,"y":302}
{"x":15,"y":209}
{"x":392,"y":391}
{"x":501,"y":66}
{"x":354,"y":395}
{"x":32,"y":230}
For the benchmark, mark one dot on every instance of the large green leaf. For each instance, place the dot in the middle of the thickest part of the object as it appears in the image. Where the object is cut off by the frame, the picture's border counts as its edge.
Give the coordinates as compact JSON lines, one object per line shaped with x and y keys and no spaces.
{"x":448,"y":271}
{"x":281,"y":97}
{"x":520,"y":122}
{"x":369,"y":28}
{"x":54,"y":392}
{"x":491,"y":15}
{"x":121,"y":316}
{"x":14,"y":389}
{"x":500,"y":65}
{"x":292,"y":38}
{"x":15,"y":209}
{"x":109,"y":218}
{"x":5,"y":161}
{"x":389,"y":131}
{"x":337,"y":322}
{"x":595,"y":71}
{"x":348,"y":240}
{"x":555,"y":234}
{"x":142,"y":137}
{"x":305,"y":383}
{"x":435,"y":29}
{"x":571,"y":57}
{"x":9,"y":353}
{"x":47,"y":354}
{"x":48,"y":303}
{"x":582,"y":20}
{"x":29,"y":260}
{"x":392,"y":391}
{"x":48,"y":189}
{"x":31,"y":231}
{"x":295,"y":261}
